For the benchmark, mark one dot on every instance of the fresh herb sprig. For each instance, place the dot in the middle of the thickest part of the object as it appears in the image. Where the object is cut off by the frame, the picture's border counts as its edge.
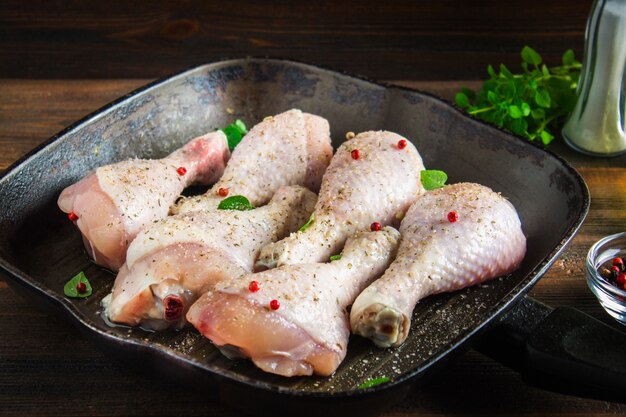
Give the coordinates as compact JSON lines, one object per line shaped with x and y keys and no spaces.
{"x":375,"y":381}
{"x":235,"y":133}
{"x":78,"y":287}
{"x":532,"y":104}
{"x":308,"y":223}
{"x":433,"y":179}
{"x":235,"y":202}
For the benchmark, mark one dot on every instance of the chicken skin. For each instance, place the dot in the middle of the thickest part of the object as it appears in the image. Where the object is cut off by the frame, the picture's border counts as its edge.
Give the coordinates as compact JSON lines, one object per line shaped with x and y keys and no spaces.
{"x":373,"y":177}
{"x":291,"y":148}
{"x":292,"y":320}
{"x":452,"y":237}
{"x":178,"y":258}
{"x":115,"y":202}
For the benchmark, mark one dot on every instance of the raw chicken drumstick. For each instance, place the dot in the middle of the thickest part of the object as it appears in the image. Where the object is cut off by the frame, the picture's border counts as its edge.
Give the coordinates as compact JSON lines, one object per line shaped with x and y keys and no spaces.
{"x":111,"y":205}
{"x":372,"y":178}
{"x":292,"y":320}
{"x":292,"y":148}
{"x":452,"y":238}
{"x":175,"y":260}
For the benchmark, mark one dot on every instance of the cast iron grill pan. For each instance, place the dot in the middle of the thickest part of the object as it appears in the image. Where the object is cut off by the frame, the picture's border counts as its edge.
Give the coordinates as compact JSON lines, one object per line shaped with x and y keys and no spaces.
{"x":40,"y":249}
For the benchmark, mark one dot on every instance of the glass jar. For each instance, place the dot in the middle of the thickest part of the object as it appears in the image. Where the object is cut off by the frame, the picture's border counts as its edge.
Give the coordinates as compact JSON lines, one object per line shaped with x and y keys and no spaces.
{"x":611,"y":297}
{"x":596,"y":125}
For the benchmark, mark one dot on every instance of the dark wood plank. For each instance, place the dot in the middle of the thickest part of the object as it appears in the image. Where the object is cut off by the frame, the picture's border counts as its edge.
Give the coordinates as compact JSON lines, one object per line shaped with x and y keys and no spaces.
{"x":32,"y":111}
{"x":48,"y":356}
{"x":404,"y":40}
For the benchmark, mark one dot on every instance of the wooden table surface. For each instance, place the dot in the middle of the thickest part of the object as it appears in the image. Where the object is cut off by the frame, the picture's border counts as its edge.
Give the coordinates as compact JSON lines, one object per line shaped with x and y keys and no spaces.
{"x":48,"y":368}
{"x":402,"y":39}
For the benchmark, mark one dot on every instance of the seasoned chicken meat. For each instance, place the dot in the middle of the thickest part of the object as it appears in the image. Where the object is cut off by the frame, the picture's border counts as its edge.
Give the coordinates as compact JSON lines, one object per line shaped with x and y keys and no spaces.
{"x":292,"y":320}
{"x":452,"y":238}
{"x":291,"y":148}
{"x":178,"y":258}
{"x":373,"y":177}
{"x":111,"y":205}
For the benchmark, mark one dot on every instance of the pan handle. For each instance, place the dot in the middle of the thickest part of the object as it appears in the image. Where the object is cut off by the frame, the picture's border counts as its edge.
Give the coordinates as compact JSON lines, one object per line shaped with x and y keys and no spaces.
{"x":562,"y":350}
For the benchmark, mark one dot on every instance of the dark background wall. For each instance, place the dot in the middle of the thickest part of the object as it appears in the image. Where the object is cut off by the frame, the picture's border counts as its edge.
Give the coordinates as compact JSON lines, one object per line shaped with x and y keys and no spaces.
{"x":431,"y":40}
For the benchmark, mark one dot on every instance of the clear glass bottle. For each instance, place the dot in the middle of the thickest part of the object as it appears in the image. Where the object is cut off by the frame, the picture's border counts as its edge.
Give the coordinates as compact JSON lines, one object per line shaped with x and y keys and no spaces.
{"x":596,"y":125}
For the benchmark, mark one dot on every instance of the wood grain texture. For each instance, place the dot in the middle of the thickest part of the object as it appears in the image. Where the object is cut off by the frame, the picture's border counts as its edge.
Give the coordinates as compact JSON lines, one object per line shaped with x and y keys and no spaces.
{"x":47,"y":368}
{"x":449,"y":39}
{"x":32,"y":111}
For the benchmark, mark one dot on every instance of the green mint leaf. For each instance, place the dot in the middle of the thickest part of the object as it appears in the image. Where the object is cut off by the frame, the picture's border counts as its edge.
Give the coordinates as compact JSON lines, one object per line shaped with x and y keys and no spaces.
{"x":239,"y":124}
{"x":433,"y":179}
{"x":568,"y":57}
{"x":307,"y":224}
{"x":525,"y":109}
{"x":545,"y":71}
{"x":538,"y":114}
{"x":491,"y":72}
{"x":518,"y":126}
{"x":373,"y":382}
{"x":530,"y":56}
{"x":469,"y":93}
{"x":505,"y":71}
{"x":510,"y":91}
{"x":523,"y":127}
{"x":515,"y":112}
{"x":492,"y":97}
{"x":335,"y":257}
{"x":461,"y":100}
{"x":546,"y":137}
{"x":235,"y":202}
{"x":542,"y":97}
{"x":235,"y":133}
{"x":70,"y":289}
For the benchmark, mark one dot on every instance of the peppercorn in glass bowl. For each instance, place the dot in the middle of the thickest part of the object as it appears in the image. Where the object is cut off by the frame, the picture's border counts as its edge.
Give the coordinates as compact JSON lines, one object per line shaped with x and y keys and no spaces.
{"x":606,"y":274}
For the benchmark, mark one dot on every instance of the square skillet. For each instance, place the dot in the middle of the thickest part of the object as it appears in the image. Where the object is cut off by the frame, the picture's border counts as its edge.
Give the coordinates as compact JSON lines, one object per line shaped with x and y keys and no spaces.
{"x":40,"y":250}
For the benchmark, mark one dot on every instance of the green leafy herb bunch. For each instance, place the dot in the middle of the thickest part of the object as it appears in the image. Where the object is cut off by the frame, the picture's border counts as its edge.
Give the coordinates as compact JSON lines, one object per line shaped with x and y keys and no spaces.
{"x":532,"y":104}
